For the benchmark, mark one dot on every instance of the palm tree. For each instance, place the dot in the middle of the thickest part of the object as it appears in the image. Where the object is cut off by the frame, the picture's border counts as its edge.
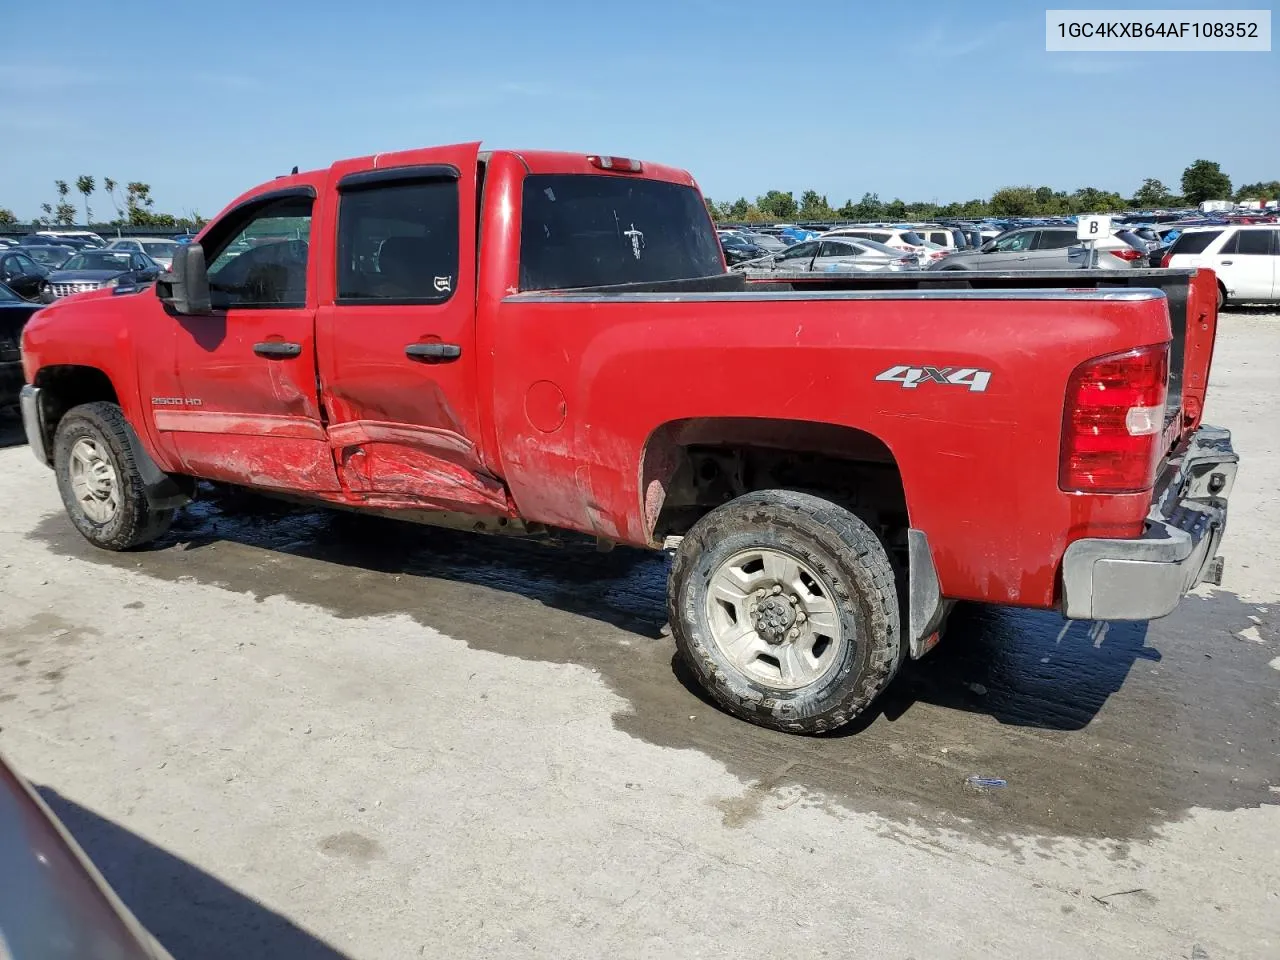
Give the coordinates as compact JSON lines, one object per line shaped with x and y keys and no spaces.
{"x":85,"y":184}
{"x":109,"y":185}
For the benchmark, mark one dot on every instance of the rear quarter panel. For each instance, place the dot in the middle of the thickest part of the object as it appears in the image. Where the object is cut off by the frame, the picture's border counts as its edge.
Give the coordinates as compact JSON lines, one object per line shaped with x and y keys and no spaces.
{"x":583,"y":382}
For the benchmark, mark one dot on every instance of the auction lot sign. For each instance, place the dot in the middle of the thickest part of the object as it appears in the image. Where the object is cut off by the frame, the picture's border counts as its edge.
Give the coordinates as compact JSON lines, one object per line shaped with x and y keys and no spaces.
{"x":1169,"y":31}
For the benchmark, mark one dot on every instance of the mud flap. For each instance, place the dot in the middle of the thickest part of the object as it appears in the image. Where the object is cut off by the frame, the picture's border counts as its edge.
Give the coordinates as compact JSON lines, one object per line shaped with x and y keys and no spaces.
{"x":164,"y":491}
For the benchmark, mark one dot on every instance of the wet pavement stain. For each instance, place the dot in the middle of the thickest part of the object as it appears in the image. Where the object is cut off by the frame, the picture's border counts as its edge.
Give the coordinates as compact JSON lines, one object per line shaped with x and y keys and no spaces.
{"x":1101,"y":730}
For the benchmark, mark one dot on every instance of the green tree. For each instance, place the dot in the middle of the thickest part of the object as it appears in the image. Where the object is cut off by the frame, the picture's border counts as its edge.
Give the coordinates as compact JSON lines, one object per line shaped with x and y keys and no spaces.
{"x":869,"y":207}
{"x":1204,"y":180}
{"x":739,"y":208}
{"x":64,"y":214}
{"x":895,"y":209}
{"x":814,"y":206}
{"x":7,"y":219}
{"x":1093,"y":200}
{"x":1262,"y":190}
{"x":1044,"y":198}
{"x":1152,"y":193}
{"x":779,"y":205}
{"x":86,"y":184}
{"x":109,"y":185}
{"x":1014,"y":202}
{"x":138,"y":203}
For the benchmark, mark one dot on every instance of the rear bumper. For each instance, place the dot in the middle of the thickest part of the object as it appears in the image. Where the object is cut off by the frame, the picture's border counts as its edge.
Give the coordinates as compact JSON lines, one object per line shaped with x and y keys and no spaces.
{"x":1146,"y":578}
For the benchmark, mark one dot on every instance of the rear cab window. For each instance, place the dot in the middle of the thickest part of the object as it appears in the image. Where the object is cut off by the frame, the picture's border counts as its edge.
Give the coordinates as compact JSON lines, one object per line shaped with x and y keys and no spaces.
{"x":587,"y":230}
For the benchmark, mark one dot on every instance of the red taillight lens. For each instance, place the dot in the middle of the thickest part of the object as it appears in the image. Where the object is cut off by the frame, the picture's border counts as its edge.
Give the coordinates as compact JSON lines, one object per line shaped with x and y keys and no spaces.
{"x":1113,"y":421}
{"x":1126,"y":253}
{"x":1166,"y":259}
{"x":621,"y":164}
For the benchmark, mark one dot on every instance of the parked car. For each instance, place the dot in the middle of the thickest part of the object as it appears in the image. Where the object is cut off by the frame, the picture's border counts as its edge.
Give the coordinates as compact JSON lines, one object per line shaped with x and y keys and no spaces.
{"x":55,"y":902}
{"x":897,"y":238}
{"x":1246,"y":259}
{"x":767,"y":242}
{"x":14,"y":314}
{"x":795,"y":471}
{"x":835,"y":255}
{"x":161,"y":251}
{"x":50,"y":257}
{"x":94,"y":269}
{"x":45,"y":240}
{"x":738,"y":249}
{"x":21,"y":273}
{"x":73,"y":237}
{"x":8,"y":242}
{"x":949,"y":238}
{"x":1034,"y":248}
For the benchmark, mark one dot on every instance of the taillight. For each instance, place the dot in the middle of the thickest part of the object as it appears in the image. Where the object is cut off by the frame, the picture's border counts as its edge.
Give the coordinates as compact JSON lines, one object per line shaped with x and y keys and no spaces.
{"x":621,"y":164}
{"x":1113,"y":421}
{"x":1166,"y":259}
{"x":1127,"y":253}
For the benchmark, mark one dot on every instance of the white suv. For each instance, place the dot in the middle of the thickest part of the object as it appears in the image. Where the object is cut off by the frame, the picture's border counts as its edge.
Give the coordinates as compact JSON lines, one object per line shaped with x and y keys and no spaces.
{"x":1246,"y":259}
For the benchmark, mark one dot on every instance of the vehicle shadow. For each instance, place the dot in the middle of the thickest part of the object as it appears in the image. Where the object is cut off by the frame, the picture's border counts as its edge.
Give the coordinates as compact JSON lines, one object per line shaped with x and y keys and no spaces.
{"x":1021,"y":667}
{"x":194,"y":915}
{"x":11,"y":433}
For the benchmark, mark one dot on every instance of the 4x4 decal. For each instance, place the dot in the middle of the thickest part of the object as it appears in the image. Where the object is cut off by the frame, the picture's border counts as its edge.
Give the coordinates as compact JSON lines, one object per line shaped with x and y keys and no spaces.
{"x":911,"y":377}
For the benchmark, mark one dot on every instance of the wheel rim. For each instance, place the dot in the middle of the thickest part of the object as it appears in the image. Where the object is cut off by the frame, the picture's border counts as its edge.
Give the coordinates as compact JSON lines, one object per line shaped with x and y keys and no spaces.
{"x":93,"y":480}
{"x":774,"y":619}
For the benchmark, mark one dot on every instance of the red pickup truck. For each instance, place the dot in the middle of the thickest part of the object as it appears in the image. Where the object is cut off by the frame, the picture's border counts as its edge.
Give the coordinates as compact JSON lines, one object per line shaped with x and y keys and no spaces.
{"x":531,"y":342}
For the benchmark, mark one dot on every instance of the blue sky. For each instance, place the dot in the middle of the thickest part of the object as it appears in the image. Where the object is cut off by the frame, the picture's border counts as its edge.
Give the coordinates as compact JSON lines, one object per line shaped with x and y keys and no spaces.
{"x":919,"y":100}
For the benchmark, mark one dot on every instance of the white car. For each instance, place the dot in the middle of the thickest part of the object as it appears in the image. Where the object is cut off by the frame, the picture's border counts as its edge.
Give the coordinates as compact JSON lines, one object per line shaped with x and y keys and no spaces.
{"x":161,"y":251}
{"x":1245,"y":257}
{"x":898,"y":238}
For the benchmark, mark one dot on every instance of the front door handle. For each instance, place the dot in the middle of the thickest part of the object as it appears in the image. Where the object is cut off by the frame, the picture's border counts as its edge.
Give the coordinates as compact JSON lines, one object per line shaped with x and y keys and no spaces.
{"x":433,"y":351}
{"x":1227,"y":263}
{"x":277,"y":348}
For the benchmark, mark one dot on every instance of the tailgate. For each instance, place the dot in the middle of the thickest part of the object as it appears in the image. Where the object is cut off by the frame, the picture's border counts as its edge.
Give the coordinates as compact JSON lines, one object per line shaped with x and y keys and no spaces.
{"x":1192,"y":296}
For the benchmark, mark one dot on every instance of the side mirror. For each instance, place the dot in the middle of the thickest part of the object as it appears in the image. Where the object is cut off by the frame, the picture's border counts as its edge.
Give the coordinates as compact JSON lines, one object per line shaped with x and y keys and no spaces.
{"x":185,"y":288}
{"x":987,"y":247}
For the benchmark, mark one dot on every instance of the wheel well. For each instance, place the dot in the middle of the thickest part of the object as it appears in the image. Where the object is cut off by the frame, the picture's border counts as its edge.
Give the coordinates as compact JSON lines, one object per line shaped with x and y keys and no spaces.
{"x":693,"y":466}
{"x":65,"y":386}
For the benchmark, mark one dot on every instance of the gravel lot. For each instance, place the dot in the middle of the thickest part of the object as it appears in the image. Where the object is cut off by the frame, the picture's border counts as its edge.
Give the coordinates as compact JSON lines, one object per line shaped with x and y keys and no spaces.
{"x":287,"y":734}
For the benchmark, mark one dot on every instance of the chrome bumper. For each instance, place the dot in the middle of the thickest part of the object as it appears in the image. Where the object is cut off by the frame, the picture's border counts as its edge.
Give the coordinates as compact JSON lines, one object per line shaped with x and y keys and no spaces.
{"x":33,"y":422}
{"x":1146,"y":578}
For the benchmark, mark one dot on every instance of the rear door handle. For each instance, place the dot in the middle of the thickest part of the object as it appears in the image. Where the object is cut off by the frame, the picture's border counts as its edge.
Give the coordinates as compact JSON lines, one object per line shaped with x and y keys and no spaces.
{"x":277,"y":348}
{"x":433,"y":351}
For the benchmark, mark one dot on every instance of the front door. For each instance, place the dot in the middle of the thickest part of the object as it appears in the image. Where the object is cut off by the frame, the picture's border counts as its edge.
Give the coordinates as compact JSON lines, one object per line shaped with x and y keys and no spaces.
{"x":245,"y":409}
{"x":396,"y":335}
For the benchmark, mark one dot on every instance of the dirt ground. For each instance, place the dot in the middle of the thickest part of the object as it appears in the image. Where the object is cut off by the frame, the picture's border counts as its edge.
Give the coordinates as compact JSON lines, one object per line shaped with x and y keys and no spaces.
{"x":282,"y":733}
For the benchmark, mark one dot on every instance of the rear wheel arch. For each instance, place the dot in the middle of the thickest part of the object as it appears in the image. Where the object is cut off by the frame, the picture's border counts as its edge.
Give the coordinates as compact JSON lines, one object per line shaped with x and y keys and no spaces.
{"x":691,"y":466}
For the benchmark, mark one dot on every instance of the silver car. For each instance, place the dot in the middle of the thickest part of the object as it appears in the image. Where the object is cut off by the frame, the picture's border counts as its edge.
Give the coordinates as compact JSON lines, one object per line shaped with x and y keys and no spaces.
{"x":161,"y":251}
{"x":1034,"y":248}
{"x":835,"y":255}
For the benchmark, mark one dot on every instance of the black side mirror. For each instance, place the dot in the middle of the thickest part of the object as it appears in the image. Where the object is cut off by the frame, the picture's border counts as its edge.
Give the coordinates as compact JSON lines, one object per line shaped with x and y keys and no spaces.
{"x":185,"y":288}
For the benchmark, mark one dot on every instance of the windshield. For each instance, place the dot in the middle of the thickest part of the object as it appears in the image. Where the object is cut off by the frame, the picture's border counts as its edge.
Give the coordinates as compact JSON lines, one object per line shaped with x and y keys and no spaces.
{"x":159,"y":249}
{"x":586,"y":230}
{"x":98,"y":260}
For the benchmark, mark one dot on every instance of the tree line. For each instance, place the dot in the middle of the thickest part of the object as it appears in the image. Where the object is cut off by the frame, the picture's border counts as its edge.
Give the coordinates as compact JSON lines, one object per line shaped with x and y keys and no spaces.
{"x":1202,"y":180}
{"x":134,"y":206}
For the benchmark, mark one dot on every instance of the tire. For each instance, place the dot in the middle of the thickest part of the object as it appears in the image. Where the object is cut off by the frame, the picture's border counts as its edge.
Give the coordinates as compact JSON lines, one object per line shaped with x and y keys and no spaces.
{"x":1222,"y":297}
{"x":838,"y":558}
{"x":128,"y":522}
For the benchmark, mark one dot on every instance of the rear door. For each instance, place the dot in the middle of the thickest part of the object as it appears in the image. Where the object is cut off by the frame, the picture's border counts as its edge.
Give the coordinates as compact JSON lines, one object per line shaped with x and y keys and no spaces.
{"x":1246,"y":264}
{"x":396,"y":335}
{"x":836,"y":256}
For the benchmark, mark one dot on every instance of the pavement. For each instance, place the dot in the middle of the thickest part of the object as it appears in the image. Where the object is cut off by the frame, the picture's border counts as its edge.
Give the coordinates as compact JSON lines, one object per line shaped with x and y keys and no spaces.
{"x":286,"y":733}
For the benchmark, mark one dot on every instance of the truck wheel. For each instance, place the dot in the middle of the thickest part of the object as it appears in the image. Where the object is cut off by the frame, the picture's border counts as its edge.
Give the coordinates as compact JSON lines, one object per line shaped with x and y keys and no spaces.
{"x":784,"y":606}
{"x":99,"y":481}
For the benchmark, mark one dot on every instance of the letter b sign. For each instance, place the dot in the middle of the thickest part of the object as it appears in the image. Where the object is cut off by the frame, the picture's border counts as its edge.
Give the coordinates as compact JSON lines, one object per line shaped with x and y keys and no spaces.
{"x":1093,"y":228}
